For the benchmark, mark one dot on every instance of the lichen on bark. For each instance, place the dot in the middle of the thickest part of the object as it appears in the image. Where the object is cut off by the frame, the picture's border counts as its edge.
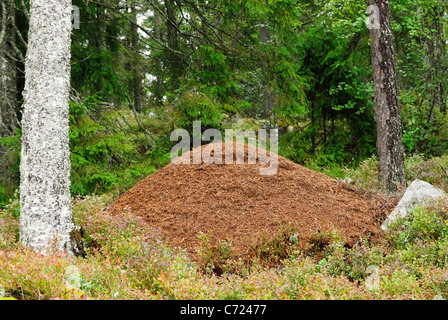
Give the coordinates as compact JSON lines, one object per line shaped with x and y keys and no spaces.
{"x":387,"y":112}
{"x":46,"y":215}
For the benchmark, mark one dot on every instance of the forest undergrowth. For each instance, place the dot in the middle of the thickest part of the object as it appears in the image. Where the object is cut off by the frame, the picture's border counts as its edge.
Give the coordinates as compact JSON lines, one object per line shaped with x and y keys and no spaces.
{"x":123,"y":260}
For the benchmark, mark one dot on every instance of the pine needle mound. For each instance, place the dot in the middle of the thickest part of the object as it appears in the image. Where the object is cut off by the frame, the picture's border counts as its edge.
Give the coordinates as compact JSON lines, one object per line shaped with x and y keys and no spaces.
{"x":236,"y":203}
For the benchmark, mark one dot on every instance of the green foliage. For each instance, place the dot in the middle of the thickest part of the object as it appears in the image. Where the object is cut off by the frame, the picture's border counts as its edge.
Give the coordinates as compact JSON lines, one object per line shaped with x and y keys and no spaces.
{"x":138,"y":253}
{"x":214,"y":73}
{"x":107,"y":153}
{"x":432,"y":170}
{"x":422,"y":135}
{"x":97,"y":67}
{"x":9,"y":166}
{"x":338,"y":127}
{"x":421,"y":61}
{"x":215,"y":258}
{"x":195,"y":106}
{"x":9,"y":224}
{"x":272,"y":249}
{"x":210,"y":61}
{"x":423,"y":223}
{"x":315,"y":66}
{"x":365,"y":175}
{"x":128,"y":262}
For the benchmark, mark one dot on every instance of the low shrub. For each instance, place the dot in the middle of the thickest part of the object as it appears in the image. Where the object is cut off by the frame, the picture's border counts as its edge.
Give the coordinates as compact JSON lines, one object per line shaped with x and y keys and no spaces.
{"x":9,"y":225}
{"x":216,"y":258}
{"x":128,"y":262}
{"x":424,"y":223}
{"x":272,"y":249}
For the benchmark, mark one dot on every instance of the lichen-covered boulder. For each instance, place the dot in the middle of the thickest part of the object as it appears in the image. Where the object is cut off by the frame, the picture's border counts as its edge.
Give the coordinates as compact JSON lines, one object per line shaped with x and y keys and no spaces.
{"x":418,"y":193}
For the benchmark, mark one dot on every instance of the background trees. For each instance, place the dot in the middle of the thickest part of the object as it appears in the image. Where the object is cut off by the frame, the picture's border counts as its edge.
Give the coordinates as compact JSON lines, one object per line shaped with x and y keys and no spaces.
{"x":8,"y":70}
{"x":141,"y":68}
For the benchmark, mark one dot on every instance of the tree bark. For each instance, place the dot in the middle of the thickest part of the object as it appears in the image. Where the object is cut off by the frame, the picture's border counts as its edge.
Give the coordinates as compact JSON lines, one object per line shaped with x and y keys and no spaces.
{"x":137,"y":80}
{"x":8,"y":70}
{"x":158,"y":71}
{"x":46,"y":216}
{"x":175,"y":62}
{"x":264,"y":37}
{"x":387,"y":113}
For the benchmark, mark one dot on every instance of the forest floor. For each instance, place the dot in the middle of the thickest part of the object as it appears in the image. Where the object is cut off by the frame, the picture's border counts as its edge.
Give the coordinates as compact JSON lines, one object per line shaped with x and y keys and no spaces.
{"x":223,"y":232}
{"x":235,"y":203}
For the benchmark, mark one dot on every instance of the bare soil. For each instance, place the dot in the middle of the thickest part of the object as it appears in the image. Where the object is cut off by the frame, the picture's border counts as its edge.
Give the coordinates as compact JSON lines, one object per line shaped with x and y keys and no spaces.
{"x":236,"y":203}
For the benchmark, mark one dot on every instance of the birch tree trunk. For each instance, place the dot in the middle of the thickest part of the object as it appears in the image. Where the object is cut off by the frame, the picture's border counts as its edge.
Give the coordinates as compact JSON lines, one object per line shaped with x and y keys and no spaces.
{"x":46,"y":216}
{"x":387,"y":112}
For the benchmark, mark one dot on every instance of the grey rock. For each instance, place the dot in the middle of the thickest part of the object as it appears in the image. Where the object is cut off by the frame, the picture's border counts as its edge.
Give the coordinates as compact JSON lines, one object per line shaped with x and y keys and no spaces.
{"x":418,"y":193}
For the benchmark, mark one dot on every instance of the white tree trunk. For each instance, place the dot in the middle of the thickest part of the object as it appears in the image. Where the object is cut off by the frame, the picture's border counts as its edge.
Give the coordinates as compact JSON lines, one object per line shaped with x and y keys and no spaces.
{"x":46,"y":215}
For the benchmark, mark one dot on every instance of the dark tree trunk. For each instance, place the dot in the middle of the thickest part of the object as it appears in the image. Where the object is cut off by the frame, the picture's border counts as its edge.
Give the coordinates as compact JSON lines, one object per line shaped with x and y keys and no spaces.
{"x":8,"y":70}
{"x":264,"y":38}
{"x":387,"y":113}
{"x":137,"y":80}
{"x":158,"y":71}
{"x":174,"y":59}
